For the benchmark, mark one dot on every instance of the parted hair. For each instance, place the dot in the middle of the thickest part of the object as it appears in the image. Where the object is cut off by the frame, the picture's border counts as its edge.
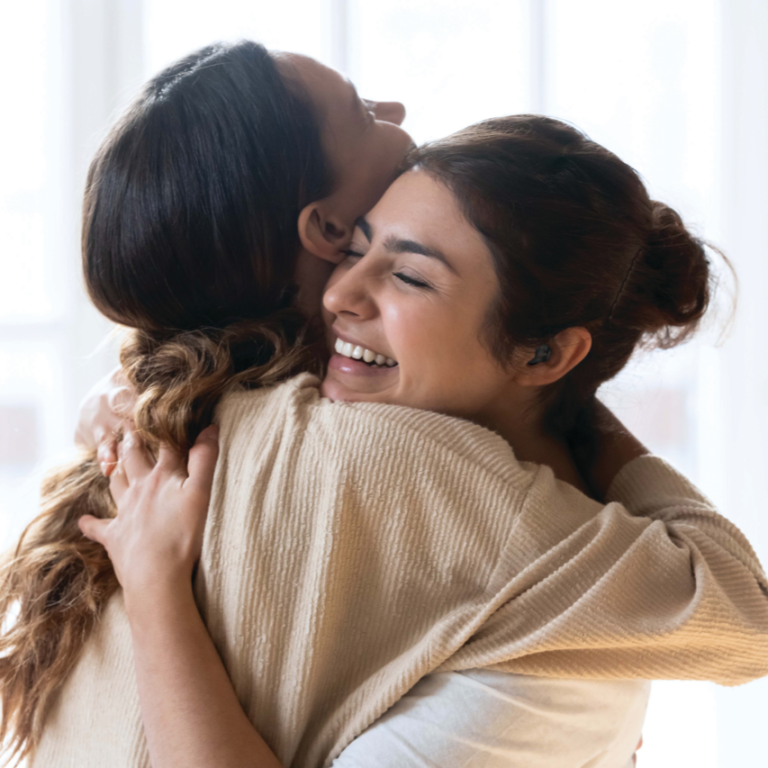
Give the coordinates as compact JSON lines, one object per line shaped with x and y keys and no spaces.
{"x":576,"y":241}
{"x":189,"y":239}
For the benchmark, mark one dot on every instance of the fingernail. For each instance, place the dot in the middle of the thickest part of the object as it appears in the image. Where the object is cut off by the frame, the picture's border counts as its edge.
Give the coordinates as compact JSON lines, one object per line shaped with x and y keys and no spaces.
{"x":214,"y":431}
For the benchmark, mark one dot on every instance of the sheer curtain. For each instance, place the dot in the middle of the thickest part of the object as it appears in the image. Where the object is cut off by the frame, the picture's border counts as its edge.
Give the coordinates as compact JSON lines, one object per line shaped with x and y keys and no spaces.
{"x":678,"y":88}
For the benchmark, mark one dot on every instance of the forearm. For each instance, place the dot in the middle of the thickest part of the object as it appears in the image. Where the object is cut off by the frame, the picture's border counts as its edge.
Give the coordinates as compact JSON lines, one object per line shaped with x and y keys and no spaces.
{"x":192,"y":717}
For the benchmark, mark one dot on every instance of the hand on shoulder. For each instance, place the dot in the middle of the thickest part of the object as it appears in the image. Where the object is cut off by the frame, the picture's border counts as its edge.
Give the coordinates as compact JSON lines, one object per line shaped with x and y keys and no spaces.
{"x":156,"y":538}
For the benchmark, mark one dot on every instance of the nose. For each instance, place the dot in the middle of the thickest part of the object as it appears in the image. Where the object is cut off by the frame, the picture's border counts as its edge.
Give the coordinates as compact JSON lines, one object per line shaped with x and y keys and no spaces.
{"x":389,"y":111}
{"x":347,"y":294}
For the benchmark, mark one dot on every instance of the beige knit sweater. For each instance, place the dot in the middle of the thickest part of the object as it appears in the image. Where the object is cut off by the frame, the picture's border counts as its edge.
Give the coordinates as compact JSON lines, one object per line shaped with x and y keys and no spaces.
{"x":352,"y":549}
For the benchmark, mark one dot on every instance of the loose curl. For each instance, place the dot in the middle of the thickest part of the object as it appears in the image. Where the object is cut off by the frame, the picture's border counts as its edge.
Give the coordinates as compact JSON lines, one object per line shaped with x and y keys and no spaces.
{"x":190,"y":239}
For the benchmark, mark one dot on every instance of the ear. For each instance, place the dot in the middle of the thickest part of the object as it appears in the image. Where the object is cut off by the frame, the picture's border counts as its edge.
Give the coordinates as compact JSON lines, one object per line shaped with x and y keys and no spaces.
{"x":569,"y":348}
{"x":323,"y":234}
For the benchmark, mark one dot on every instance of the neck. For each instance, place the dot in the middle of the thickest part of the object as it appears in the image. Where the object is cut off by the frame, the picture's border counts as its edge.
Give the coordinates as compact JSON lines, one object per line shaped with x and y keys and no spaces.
{"x":521,"y":424}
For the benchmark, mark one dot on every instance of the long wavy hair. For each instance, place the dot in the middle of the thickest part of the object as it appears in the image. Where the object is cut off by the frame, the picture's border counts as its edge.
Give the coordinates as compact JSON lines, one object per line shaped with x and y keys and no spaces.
{"x":189,"y":238}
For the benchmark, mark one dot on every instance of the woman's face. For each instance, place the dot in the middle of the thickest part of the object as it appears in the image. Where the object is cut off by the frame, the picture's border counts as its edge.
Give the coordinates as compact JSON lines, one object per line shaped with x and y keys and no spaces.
{"x":363,"y":139}
{"x":415,"y":288}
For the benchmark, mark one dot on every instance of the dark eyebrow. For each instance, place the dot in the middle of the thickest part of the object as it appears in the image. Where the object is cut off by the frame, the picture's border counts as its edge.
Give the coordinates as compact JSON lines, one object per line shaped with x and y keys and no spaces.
{"x":398,"y":245}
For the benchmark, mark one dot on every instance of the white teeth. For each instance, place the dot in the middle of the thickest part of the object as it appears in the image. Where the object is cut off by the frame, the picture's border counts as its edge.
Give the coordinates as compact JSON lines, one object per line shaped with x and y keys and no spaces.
{"x":356,"y":352}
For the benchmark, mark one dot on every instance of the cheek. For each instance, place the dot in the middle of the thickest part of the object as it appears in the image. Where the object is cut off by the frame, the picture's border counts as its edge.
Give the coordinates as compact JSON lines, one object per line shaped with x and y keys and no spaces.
{"x":439,"y":350}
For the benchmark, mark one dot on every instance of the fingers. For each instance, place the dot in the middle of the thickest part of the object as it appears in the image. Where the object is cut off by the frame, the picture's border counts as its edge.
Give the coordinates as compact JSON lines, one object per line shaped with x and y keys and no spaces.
{"x":118,"y":484}
{"x":133,"y":455}
{"x":121,"y":400}
{"x":133,"y":461}
{"x":93,"y":528}
{"x":106,"y":454}
{"x":202,"y":459}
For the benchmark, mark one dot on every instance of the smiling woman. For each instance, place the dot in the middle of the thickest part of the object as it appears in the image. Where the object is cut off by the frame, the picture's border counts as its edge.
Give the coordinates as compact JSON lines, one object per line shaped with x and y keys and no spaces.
{"x":416,"y":286}
{"x":458,"y":274}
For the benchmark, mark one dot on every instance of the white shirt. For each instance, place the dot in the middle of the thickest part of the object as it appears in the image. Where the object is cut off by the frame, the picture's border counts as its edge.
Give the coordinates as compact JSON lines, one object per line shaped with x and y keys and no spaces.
{"x":487,"y":719}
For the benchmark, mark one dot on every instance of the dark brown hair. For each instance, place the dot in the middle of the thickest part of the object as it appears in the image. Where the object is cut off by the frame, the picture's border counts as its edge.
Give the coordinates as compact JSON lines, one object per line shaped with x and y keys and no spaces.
{"x":189,"y":238}
{"x":576,"y":241}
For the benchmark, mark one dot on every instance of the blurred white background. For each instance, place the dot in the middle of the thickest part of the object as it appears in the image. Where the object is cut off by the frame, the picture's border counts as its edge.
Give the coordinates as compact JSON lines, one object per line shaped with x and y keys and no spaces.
{"x":678,"y":88}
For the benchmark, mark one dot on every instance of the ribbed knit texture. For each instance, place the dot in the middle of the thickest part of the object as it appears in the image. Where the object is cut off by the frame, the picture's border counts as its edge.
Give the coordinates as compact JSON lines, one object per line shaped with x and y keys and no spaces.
{"x":352,"y":549}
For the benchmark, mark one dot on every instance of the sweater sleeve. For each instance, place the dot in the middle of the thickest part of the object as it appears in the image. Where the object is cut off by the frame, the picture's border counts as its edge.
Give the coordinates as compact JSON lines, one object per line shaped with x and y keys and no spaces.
{"x":659,"y":587}
{"x":649,"y":487}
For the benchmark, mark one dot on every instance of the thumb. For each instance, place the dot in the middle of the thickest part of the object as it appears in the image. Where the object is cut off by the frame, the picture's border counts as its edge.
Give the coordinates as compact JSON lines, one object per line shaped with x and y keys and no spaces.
{"x":94,"y":528}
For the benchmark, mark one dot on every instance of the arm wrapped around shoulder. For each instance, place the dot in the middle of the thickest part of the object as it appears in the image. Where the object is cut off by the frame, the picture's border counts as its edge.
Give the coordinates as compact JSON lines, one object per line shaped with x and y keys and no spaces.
{"x":661,"y":587}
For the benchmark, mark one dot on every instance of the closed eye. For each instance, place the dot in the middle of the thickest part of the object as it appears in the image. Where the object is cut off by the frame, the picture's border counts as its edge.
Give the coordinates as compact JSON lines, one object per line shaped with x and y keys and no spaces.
{"x":399,"y":275}
{"x":411,"y":281}
{"x":370,"y":107}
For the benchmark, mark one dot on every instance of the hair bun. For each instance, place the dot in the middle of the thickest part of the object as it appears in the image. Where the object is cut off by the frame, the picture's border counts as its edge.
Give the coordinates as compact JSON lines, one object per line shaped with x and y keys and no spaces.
{"x":674,"y":277}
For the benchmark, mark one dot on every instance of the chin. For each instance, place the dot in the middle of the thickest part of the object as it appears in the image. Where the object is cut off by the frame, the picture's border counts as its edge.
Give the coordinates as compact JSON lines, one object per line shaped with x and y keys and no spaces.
{"x":333,"y":391}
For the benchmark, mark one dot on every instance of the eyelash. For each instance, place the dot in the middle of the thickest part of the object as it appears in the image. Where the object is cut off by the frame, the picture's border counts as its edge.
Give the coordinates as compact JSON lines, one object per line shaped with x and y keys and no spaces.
{"x":399,"y":275}
{"x":410,"y":281}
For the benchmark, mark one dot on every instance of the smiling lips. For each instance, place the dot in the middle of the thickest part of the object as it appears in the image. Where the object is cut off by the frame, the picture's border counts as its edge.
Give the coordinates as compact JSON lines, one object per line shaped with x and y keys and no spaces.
{"x":357,"y":352}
